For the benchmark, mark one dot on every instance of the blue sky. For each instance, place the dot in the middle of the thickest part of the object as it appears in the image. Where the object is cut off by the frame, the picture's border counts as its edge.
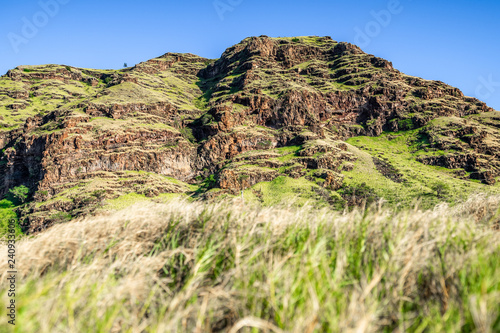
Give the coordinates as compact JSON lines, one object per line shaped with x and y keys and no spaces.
{"x":453,"y":41}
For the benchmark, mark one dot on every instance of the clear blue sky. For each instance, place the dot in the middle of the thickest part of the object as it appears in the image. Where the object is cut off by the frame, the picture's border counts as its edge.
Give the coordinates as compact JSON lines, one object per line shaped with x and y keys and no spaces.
{"x":453,"y":41}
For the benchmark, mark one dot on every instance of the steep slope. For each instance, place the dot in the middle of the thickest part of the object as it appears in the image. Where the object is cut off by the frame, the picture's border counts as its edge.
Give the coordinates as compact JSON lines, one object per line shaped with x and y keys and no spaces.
{"x":270,"y":117}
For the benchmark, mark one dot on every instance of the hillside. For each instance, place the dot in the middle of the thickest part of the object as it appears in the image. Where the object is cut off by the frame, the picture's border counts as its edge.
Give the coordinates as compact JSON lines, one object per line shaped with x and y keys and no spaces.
{"x":304,"y":119}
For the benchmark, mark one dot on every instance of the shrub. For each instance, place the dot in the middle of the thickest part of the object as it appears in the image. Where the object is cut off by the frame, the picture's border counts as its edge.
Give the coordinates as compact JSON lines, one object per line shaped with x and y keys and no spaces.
{"x":187,"y":133}
{"x":206,"y":119}
{"x":441,"y":189}
{"x":99,"y":194}
{"x":405,"y":124}
{"x":20,"y":193}
{"x":209,"y":182}
{"x":265,"y":144}
{"x":61,"y":217}
{"x":243,"y":177}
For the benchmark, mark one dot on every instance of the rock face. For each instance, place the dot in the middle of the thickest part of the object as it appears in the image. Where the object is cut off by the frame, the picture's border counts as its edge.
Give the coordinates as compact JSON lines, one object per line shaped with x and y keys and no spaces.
{"x":237,"y":118}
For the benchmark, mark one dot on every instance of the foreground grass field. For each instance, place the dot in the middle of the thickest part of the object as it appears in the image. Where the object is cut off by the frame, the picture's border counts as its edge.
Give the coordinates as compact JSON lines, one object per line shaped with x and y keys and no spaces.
{"x":193,"y":267}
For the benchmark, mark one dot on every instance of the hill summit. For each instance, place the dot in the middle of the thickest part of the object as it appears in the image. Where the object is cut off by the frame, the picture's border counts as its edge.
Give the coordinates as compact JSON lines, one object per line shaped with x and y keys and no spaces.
{"x":306,"y":119}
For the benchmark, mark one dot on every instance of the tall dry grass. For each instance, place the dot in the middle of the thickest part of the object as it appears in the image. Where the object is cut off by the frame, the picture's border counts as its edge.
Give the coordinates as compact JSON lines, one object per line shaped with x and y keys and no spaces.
{"x":192,"y":267}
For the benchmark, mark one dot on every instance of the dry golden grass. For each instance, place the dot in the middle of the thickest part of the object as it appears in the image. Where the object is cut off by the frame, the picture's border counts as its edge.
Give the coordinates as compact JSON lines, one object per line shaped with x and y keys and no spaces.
{"x":193,"y":267}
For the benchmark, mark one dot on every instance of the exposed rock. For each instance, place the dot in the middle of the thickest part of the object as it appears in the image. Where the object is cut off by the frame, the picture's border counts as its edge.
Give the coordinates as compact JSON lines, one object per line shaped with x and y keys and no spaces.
{"x":388,"y":170}
{"x":236,"y":181}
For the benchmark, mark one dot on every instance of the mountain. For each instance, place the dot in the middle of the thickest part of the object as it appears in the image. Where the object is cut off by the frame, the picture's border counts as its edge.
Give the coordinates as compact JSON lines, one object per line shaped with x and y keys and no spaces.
{"x":285,"y":120}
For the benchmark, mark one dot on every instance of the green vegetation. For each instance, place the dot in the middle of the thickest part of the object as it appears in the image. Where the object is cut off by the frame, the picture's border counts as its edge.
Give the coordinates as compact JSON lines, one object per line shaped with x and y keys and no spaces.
{"x":288,"y":191}
{"x":20,"y":193}
{"x":110,"y":191}
{"x":187,"y":133}
{"x":7,"y":214}
{"x":15,"y":198}
{"x":427,"y":184}
{"x":67,"y":93}
{"x":60,"y":217}
{"x":441,"y":189}
{"x":183,"y":266}
{"x":125,"y":201}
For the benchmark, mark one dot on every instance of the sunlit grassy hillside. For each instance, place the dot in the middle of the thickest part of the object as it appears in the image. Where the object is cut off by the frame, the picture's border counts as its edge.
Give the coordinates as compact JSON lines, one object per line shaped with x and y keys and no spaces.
{"x":193,"y":267}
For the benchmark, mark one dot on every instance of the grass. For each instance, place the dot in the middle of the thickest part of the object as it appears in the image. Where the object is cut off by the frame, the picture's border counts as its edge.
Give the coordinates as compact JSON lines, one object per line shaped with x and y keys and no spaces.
{"x":128,"y":92}
{"x":296,"y":192}
{"x":110,"y":191}
{"x":312,"y":40}
{"x":125,"y":201}
{"x":7,"y":214}
{"x":192,"y":267}
{"x":400,"y":151}
{"x":52,"y":94}
{"x":130,"y":125}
